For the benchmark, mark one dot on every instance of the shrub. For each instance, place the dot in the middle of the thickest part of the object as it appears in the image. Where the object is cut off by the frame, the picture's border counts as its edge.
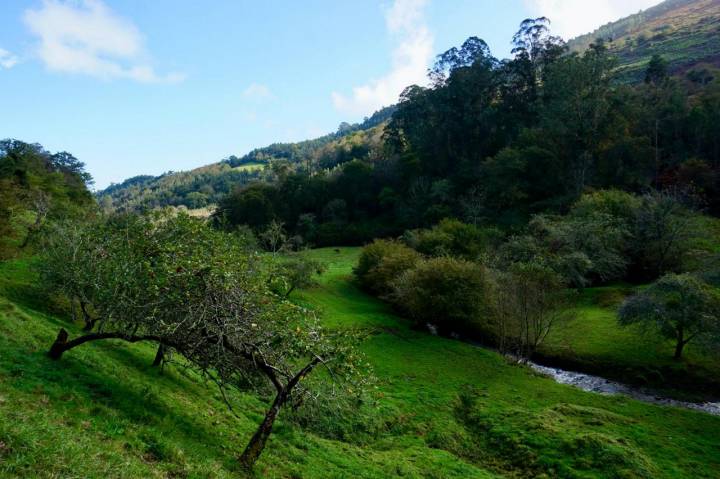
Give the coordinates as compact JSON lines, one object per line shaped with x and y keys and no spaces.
{"x":454,"y":238}
{"x":572,"y":265}
{"x":619,"y":205}
{"x":447,"y":292}
{"x":381,"y":262}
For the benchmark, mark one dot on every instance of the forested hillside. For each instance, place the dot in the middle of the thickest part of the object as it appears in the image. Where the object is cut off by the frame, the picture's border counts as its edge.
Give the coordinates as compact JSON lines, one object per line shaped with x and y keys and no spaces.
{"x":205,"y":186}
{"x":494,"y":142}
{"x":37,"y":186}
{"x":685,"y":32}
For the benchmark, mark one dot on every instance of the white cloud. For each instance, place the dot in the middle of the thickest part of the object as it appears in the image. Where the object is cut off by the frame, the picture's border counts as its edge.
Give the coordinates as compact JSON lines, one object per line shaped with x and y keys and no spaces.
{"x":412,"y":54}
{"x":7,"y":59}
{"x":571,"y":18}
{"x":257,"y":92}
{"x":86,"y":37}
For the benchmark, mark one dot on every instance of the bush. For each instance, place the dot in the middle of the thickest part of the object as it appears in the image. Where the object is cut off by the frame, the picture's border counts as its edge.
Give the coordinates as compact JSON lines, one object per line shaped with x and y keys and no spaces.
{"x":446,"y":292}
{"x":619,"y":205}
{"x":572,"y":265}
{"x":454,"y":238}
{"x":381,"y":262}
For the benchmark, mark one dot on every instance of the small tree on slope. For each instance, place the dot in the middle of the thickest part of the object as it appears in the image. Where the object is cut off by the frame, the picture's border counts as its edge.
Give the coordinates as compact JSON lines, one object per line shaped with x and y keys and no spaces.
{"x":174,"y":281}
{"x":680,"y":307}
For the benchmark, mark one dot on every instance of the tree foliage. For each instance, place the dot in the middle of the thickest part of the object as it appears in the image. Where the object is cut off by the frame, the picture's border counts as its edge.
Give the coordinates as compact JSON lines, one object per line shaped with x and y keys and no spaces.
{"x":447,"y":293}
{"x":37,"y":186}
{"x":679,"y":307}
{"x":175,"y":281}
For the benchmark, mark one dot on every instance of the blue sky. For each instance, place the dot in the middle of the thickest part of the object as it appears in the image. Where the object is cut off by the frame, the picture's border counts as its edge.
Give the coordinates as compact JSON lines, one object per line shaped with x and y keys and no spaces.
{"x":146,"y":86}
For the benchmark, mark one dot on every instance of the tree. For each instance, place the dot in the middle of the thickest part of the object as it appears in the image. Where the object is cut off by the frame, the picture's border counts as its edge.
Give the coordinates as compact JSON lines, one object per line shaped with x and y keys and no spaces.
{"x":662,"y":231}
{"x":176,"y":282}
{"x":679,"y":307}
{"x":35,"y":187}
{"x":274,"y":236}
{"x":656,"y":71}
{"x":295,"y":272}
{"x":529,"y":300}
{"x":595,"y":235}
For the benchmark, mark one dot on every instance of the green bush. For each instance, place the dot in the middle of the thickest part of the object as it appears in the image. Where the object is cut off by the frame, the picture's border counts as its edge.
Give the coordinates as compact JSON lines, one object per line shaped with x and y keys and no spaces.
{"x":449,"y":293}
{"x":454,"y":238}
{"x":381,"y":262}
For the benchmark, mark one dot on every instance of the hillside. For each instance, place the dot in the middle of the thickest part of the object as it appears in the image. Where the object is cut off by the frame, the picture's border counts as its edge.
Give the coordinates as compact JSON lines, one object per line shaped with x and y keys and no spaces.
{"x":446,"y":409}
{"x":205,"y":186}
{"x":686,"y":33}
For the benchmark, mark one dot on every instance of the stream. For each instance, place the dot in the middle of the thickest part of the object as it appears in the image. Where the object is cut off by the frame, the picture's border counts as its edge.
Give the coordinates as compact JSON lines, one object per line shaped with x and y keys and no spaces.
{"x":600,"y":385}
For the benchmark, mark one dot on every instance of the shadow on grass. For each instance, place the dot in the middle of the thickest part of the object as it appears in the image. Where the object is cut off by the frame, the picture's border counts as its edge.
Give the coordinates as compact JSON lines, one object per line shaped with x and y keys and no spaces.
{"x":84,"y":390}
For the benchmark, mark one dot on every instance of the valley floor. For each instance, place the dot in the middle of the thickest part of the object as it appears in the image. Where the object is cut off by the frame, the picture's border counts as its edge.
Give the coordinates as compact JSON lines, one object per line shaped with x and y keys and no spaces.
{"x":445,"y":409}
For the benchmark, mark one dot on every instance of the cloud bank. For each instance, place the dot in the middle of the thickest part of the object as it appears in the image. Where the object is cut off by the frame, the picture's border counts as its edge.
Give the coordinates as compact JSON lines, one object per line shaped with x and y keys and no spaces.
{"x":571,"y":18}
{"x":411,"y":56}
{"x":86,"y":37}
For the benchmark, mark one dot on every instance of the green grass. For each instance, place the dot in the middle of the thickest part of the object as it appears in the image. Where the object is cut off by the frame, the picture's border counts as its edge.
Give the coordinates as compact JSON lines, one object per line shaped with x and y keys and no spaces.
{"x":595,"y":342}
{"x":250,"y":167}
{"x":445,"y":409}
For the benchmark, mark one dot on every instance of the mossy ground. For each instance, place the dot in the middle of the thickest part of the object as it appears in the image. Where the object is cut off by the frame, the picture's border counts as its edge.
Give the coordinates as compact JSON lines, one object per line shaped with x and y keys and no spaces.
{"x":445,"y":409}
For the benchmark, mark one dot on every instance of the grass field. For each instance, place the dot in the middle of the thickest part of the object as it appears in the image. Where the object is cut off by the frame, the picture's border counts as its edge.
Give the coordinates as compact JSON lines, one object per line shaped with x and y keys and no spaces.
{"x":250,"y":167}
{"x":446,"y":409}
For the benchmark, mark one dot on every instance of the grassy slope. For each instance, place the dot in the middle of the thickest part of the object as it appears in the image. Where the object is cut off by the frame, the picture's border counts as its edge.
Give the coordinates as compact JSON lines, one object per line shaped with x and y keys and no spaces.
{"x":684,"y":33}
{"x":102,"y":412}
{"x":250,"y":167}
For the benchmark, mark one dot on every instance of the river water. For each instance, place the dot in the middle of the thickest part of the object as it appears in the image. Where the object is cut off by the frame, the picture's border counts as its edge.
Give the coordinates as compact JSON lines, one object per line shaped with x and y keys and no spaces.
{"x":599,"y":385}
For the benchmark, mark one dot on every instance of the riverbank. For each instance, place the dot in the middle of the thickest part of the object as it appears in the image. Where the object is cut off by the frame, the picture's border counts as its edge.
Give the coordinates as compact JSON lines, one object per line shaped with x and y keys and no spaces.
{"x":594,"y":343}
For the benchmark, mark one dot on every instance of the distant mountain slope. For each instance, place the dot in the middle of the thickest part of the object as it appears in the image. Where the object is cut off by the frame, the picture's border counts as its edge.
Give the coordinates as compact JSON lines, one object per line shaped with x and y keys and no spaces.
{"x":686,"y":33}
{"x":204,"y":186}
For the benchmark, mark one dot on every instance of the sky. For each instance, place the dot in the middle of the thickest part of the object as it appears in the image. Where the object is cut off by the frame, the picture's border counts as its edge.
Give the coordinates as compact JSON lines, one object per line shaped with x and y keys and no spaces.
{"x":147,"y":86}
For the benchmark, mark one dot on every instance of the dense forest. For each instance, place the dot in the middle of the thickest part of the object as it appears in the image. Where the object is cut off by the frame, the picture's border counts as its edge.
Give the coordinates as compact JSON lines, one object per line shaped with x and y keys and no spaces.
{"x":494,"y":142}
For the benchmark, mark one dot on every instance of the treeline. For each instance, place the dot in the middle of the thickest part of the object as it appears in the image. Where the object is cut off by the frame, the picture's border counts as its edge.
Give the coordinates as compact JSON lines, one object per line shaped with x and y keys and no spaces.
{"x":494,"y":142}
{"x":37,"y":186}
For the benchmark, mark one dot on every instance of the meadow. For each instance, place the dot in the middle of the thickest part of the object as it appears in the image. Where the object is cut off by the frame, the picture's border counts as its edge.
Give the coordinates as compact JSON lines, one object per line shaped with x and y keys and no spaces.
{"x":444,"y":408}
